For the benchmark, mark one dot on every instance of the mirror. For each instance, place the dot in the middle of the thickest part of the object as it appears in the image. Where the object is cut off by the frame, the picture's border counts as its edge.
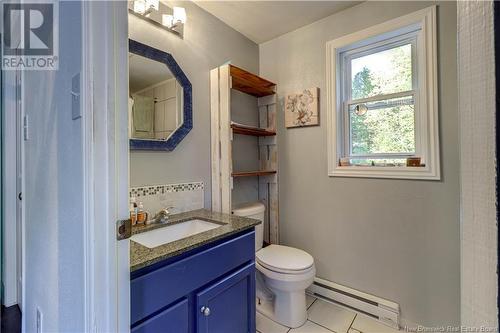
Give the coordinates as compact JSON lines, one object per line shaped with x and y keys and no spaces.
{"x":159,"y":99}
{"x":155,"y":99}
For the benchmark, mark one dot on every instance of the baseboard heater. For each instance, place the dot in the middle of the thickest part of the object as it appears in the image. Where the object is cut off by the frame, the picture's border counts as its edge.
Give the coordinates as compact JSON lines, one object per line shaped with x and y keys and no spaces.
{"x":385,"y":311}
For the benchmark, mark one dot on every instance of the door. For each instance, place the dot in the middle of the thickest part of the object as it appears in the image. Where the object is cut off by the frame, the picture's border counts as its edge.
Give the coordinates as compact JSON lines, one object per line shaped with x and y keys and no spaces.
{"x":175,"y":319}
{"x":104,"y":100}
{"x":228,"y":306}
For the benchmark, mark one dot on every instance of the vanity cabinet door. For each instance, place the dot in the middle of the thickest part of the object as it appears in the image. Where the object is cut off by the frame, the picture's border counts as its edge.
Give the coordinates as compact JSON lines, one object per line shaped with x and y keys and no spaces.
{"x":175,"y":319}
{"x":228,"y":306}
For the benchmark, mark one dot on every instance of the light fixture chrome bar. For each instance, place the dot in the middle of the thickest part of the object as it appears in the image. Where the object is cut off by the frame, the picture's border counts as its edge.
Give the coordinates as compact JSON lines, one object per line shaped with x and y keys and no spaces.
{"x":159,"y":14}
{"x":175,"y":32}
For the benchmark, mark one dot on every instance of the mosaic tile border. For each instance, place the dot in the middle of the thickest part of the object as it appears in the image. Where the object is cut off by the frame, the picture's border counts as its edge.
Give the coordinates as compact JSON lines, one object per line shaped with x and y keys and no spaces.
{"x":162,"y":189}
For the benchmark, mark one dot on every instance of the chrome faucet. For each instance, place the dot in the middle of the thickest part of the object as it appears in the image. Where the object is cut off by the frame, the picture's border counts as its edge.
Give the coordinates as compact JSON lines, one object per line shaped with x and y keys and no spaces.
{"x":162,"y":216}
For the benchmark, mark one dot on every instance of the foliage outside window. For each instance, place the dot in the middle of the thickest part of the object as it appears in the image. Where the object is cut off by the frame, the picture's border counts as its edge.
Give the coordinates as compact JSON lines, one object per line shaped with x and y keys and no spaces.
{"x":387,"y":125}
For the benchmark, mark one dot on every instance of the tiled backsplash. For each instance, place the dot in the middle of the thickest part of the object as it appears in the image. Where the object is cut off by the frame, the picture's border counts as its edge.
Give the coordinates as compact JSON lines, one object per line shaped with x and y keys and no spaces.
{"x":183,"y":197}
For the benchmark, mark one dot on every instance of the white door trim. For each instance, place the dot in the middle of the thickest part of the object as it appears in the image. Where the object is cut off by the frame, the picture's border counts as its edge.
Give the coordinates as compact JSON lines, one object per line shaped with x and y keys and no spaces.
{"x":104,"y":98}
{"x":477,"y":111}
{"x":12,"y":221}
{"x":9,"y":196}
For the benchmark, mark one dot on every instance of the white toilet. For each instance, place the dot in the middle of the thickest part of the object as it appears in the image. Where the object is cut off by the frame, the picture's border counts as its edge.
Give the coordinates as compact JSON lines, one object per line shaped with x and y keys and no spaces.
{"x":283,"y":274}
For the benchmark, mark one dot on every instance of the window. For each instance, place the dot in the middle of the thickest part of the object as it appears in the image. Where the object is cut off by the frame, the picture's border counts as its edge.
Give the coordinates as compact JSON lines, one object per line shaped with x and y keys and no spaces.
{"x":382,"y":101}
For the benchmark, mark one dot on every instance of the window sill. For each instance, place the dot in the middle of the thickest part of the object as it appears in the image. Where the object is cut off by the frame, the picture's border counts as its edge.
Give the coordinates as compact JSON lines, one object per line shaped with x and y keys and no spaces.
{"x":397,"y":172}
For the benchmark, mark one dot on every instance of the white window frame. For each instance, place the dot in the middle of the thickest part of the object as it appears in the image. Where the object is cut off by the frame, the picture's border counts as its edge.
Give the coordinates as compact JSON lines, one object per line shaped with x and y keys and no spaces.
{"x":425,"y":94}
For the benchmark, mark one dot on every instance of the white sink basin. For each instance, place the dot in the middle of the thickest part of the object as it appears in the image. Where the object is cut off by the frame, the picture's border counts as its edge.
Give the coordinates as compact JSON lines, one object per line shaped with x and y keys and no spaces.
{"x":172,"y":233}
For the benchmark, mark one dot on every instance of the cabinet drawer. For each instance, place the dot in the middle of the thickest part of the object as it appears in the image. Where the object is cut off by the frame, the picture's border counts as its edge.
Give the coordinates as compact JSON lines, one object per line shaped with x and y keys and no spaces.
{"x":175,"y":319}
{"x":159,"y":288}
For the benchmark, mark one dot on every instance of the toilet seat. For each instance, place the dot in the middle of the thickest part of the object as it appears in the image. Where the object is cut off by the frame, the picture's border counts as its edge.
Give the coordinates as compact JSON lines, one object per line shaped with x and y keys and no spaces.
{"x":284,"y":259}
{"x":285,"y":277}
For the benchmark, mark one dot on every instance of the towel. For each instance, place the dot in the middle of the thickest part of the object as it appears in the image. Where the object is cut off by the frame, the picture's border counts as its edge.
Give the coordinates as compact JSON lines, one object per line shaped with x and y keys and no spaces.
{"x":130,"y":115}
{"x":143,"y":117}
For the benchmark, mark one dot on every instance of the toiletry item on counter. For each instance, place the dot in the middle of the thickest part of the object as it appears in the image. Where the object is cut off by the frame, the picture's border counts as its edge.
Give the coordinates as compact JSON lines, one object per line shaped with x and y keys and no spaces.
{"x":133,"y":211}
{"x":142,"y":215}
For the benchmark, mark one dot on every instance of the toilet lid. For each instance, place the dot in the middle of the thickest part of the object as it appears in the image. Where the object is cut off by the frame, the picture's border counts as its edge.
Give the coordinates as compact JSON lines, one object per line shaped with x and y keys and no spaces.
{"x":281,"y":258}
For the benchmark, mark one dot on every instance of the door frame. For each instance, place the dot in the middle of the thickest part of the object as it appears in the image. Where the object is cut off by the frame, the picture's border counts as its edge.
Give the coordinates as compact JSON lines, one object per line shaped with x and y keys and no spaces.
{"x":496,"y":24}
{"x":478,"y":103}
{"x":9,"y":185}
{"x":104,"y":98}
{"x":12,"y":160}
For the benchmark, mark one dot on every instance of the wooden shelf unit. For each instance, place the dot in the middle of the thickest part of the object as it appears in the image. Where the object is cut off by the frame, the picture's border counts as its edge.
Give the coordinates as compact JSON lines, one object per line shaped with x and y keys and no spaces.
{"x":253,"y":173}
{"x":249,"y":83}
{"x":222,"y":80}
{"x":246,"y":130}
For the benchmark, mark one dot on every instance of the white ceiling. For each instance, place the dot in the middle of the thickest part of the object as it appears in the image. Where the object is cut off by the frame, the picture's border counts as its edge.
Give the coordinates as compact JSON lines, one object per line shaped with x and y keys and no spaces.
{"x":261,"y":21}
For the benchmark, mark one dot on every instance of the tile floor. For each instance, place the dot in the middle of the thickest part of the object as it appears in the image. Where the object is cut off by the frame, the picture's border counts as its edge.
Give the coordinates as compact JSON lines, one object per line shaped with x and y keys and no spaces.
{"x":324,"y":317}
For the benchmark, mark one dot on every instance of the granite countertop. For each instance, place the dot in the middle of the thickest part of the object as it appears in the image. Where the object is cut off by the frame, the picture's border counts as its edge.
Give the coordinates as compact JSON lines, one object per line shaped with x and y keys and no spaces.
{"x":141,"y":256}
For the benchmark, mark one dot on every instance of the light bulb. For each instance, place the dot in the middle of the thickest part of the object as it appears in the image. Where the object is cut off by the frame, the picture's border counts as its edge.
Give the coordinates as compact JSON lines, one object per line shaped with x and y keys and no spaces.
{"x":179,"y":15}
{"x":167,"y":20}
{"x":139,"y":6}
{"x":153,"y":4}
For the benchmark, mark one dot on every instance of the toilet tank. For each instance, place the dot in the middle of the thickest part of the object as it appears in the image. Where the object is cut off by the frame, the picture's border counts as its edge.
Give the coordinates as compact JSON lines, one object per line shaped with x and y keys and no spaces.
{"x":253,"y":210}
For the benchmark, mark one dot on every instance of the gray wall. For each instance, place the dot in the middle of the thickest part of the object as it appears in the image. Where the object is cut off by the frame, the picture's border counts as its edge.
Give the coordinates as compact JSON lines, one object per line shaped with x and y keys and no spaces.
{"x":244,"y":110}
{"x":397,"y":239}
{"x":207,"y":43}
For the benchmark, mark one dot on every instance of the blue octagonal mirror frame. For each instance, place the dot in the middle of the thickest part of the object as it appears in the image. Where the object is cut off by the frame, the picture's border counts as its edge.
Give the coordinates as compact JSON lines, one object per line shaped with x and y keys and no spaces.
{"x":179,"y":134}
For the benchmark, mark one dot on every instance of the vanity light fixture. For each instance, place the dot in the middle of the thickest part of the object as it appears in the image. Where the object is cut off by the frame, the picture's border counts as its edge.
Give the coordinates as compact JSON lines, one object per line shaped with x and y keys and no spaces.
{"x":173,"y":21}
{"x":157,"y":13}
{"x":167,"y":20}
{"x":145,"y":7}
{"x":179,"y":15}
{"x":153,"y":4}
{"x":139,"y":7}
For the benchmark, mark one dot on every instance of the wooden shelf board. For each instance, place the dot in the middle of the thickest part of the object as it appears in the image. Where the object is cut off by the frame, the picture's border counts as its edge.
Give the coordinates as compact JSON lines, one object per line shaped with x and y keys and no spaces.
{"x":250,"y":83}
{"x":253,"y":173}
{"x":237,"y":129}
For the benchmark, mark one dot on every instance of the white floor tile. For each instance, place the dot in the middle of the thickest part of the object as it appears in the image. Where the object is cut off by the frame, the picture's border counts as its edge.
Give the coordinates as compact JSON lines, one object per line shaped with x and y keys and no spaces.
{"x":366,"y":324}
{"x":266,"y":325}
{"x":310,"y":327}
{"x":331,"y":316}
{"x":352,"y":330}
{"x":309,"y":300}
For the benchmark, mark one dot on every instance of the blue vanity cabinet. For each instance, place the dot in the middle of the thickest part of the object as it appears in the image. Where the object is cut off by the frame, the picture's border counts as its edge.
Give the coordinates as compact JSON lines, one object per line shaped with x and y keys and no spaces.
{"x":228,"y":305}
{"x":172,"y":320}
{"x":218,"y":278}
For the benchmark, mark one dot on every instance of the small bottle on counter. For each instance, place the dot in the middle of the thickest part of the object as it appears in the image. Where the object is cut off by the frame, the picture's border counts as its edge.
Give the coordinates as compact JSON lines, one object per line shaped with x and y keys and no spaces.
{"x":142,"y":216}
{"x":133,"y":211}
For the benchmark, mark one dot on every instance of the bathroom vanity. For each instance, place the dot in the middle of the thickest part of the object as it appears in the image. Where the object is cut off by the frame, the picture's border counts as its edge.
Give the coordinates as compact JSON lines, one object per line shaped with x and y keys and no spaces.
{"x":201,"y":283}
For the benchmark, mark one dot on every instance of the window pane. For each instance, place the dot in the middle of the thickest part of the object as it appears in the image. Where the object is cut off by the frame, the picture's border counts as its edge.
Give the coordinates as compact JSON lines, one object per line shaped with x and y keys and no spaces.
{"x":383,"y":127}
{"x":384,"y":72}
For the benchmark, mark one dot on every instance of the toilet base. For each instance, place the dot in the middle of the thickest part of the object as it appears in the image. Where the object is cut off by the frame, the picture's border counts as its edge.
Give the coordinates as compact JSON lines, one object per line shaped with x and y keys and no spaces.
{"x":286,"y":308}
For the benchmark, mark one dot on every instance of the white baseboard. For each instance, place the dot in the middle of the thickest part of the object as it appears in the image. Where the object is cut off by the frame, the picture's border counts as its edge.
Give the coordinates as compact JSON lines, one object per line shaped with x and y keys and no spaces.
{"x":387,"y":312}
